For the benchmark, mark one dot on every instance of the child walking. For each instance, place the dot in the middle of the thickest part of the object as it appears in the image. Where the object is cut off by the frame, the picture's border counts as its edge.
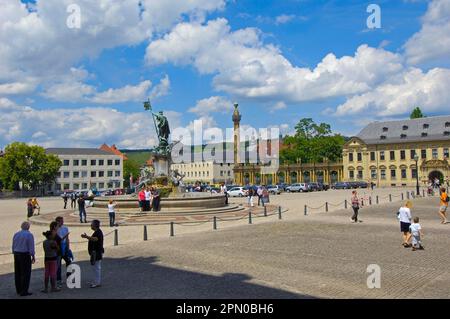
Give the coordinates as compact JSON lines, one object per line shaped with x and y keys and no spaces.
{"x":51,"y":265}
{"x":416,"y":234}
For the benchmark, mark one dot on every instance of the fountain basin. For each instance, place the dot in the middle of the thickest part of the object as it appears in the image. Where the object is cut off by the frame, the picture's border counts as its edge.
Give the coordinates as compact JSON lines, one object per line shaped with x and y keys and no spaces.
{"x":188,"y":201}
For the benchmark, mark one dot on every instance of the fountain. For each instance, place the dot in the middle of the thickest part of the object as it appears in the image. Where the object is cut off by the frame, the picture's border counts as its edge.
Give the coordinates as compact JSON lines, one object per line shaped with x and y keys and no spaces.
{"x":164,"y":179}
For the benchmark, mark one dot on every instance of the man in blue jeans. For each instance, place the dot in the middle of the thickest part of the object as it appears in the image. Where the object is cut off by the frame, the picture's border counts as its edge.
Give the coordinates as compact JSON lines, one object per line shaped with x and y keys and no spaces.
{"x":63,"y":233}
{"x":82,"y":209}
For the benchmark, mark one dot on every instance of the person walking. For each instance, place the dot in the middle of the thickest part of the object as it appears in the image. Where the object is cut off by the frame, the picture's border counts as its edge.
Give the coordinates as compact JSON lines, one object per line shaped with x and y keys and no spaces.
{"x":36,"y":206}
{"x":404,"y":216}
{"x":265,"y":196}
{"x":112,"y":213}
{"x":250,"y":196}
{"x":82,"y":209}
{"x":223,"y":190}
{"x":65,"y":197}
{"x":96,"y":251}
{"x":24,"y":257}
{"x":355,"y":207}
{"x":50,"y":260}
{"x":30,"y":209}
{"x":73,"y":200}
{"x":259,"y":192}
{"x":416,"y":234}
{"x":443,"y":206}
{"x":63,"y":233}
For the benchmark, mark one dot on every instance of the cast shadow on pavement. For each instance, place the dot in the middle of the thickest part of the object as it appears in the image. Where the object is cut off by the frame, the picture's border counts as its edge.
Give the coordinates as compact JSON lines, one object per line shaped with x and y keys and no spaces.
{"x":138,"y":277}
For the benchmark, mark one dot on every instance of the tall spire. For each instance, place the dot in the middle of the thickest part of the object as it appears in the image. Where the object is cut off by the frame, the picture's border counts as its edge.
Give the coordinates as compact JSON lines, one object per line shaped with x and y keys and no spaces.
{"x":236,"y":120}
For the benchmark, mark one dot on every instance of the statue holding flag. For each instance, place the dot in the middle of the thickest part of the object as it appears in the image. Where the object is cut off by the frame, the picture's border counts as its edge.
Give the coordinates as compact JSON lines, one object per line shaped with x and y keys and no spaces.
{"x":162,"y":129}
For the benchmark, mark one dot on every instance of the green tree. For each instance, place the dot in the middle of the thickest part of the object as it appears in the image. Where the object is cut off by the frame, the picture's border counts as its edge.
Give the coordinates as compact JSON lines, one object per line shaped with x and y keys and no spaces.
{"x":130,"y":167}
{"x":416,"y":113}
{"x":311,"y":143}
{"x":29,"y":165}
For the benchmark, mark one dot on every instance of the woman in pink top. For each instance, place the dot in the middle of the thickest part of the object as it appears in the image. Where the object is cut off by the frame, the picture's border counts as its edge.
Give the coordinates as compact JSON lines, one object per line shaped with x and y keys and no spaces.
{"x":141,"y":197}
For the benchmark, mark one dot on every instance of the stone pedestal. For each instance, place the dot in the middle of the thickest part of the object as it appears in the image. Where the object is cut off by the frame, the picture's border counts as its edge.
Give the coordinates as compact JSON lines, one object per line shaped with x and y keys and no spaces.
{"x":161,"y":165}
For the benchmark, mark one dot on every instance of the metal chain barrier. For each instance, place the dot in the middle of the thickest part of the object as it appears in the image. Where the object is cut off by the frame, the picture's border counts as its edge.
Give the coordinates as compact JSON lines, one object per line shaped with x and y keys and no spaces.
{"x":193,"y":223}
{"x":316,"y":207}
{"x":336,"y":205}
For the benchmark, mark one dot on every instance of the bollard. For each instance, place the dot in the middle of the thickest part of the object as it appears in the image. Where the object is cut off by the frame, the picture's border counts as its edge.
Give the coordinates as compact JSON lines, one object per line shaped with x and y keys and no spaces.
{"x":377,"y":200}
{"x":362,"y":201}
{"x":279,"y":212}
{"x":403,"y":197}
{"x":345,"y":204}
{"x":250,"y":217}
{"x":172,"y":232}
{"x":390,"y":197}
{"x":116,"y":237}
{"x":326,"y":207}
{"x":423,"y":193}
{"x":265,"y":211}
{"x":145,"y":232}
{"x":215,"y":223}
{"x":370,"y":200}
{"x":306,"y":210}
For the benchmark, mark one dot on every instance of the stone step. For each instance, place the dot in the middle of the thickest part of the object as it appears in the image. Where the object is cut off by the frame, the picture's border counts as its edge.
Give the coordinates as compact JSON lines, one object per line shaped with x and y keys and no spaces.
{"x":166,"y":212}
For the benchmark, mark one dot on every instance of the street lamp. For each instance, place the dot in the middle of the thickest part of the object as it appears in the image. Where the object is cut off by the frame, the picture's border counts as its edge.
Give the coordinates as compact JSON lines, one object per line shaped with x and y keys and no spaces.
{"x":416,"y":158}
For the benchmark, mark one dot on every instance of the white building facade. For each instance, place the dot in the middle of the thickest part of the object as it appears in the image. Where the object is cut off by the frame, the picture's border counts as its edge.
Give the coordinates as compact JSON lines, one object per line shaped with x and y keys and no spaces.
{"x":83,"y":169}
{"x":208,"y":172}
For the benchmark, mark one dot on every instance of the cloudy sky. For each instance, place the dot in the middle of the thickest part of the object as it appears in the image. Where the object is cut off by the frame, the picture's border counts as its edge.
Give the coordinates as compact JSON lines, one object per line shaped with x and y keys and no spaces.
{"x":62,"y":85}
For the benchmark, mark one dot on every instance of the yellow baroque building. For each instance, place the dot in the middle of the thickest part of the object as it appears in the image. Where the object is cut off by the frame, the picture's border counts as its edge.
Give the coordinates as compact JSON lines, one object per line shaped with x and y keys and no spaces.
{"x":386,"y":153}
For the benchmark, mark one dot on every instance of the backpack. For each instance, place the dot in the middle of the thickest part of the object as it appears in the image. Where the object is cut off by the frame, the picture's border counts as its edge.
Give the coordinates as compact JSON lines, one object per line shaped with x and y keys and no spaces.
{"x":446,"y":199}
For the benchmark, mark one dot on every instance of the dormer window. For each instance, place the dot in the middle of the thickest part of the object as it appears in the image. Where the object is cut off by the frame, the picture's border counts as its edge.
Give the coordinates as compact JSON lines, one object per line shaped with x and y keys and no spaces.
{"x":424,"y":134}
{"x":447,"y":124}
{"x":425,"y":126}
{"x":385,"y":129}
{"x":405,"y":127}
{"x":447,"y":133}
{"x":403,"y":136}
{"x":382,"y":137}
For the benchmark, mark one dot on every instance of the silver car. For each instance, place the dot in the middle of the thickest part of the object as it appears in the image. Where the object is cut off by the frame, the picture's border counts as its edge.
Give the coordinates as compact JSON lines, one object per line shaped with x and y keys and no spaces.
{"x":297,"y":187}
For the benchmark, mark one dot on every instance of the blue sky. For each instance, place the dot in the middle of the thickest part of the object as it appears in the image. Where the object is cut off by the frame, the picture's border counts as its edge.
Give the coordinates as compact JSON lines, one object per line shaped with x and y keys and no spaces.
{"x":280,"y":60}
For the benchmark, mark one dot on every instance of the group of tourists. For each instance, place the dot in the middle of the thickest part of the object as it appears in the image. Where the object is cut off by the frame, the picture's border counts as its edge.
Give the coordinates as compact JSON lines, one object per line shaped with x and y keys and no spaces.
{"x":410,"y":227}
{"x":56,"y":246}
{"x":32,"y":207}
{"x":261,"y":192}
{"x":149,"y":199}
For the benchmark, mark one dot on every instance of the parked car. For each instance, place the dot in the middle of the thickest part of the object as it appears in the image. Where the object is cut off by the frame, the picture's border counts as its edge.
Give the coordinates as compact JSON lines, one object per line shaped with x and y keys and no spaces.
{"x":274,"y":189}
{"x":363,"y":185}
{"x":341,"y":185}
{"x":237,"y":192}
{"x":297,"y":187}
{"x":353,"y":184}
{"x":314,"y":187}
{"x":324,"y":187}
{"x":282,"y":186}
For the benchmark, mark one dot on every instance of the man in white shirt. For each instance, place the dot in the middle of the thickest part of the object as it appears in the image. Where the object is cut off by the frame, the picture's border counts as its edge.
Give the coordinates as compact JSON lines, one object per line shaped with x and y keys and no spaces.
{"x":259,"y":192}
{"x":223,"y":190}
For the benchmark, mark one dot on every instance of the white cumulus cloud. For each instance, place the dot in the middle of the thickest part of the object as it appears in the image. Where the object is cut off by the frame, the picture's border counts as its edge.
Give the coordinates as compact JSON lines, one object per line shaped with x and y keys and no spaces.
{"x":432,"y":43}
{"x":246,"y":67}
